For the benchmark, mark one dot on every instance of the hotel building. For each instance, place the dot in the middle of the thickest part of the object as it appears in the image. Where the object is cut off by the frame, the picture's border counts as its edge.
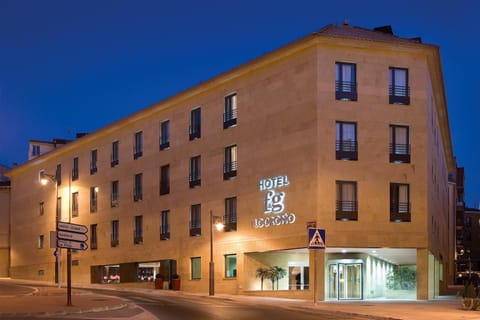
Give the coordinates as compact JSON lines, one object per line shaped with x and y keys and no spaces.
{"x":345,"y":130}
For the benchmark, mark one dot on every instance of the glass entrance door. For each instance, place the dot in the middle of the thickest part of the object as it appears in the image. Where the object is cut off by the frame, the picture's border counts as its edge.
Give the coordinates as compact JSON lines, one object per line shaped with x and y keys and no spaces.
{"x":345,"y":281}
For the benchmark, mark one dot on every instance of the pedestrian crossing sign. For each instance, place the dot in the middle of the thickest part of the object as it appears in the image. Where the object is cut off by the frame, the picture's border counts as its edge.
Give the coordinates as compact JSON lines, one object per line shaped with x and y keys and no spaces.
{"x":316,"y":238}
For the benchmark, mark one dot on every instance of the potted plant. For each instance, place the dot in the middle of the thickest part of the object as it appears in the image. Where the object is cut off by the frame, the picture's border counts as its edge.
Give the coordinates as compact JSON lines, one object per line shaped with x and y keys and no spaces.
{"x":158,"y":281}
{"x":175,"y":282}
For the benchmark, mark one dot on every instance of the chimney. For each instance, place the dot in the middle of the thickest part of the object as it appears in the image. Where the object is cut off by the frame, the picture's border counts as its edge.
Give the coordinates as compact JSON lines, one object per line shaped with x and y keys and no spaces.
{"x":345,"y":22}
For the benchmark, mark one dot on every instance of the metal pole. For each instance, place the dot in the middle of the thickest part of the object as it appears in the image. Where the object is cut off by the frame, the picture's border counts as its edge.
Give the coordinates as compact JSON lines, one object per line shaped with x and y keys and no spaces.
{"x":69,"y":251}
{"x":57,"y":250}
{"x":211,"y":287}
{"x":315,"y":284}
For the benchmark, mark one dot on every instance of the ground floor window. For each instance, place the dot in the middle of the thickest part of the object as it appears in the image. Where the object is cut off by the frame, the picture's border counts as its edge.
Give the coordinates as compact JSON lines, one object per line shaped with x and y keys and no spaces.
{"x":196,"y":264}
{"x":230,"y":266}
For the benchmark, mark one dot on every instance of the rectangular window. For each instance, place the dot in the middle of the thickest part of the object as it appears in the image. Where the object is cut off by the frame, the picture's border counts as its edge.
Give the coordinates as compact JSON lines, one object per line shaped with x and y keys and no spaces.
{"x":137,"y":187}
{"x":114,"y":158}
{"x":138,"y":145}
{"x":93,"y":161}
{"x":59,"y":208}
{"x":165,"y":135}
{"x":195,"y":177}
{"x":230,"y":162}
{"x":230,"y":218}
{"x":35,"y":150}
{"x":114,"y":194}
{"x":195,"y":220}
{"x":58,"y":174}
{"x":196,"y":264}
{"x":230,"y":266}
{"x":75,"y":169}
{"x":75,"y":204}
{"x":93,"y":237}
{"x":138,"y":230}
{"x":399,"y":202}
{"x":399,"y":144}
{"x":93,"y":199}
{"x":165,"y":179}
{"x":41,"y":241}
{"x":230,"y":111}
{"x":165,"y":225}
{"x":41,"y":207}
{"x":195,"y":124}
{"x":346,"y":206}
{"x":346,"y":141}
{"x":398,"y":89}
{"x":114,"y":239}
{"x":345,"y":81}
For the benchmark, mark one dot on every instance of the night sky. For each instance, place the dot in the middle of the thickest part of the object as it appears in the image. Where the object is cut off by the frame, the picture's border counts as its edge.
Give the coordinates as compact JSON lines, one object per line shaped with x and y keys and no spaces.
{"x":76,"y":66}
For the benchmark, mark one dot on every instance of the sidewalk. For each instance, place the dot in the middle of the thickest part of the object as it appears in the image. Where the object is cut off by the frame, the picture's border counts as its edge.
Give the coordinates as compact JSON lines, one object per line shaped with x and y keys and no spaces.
{"x":51,"y":301}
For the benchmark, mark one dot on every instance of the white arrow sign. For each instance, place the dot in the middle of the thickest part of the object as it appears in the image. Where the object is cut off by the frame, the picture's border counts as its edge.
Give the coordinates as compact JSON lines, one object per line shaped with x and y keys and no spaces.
{"x":71,"y":244}
{"x":72,"y":236}
{"x":78,"y":228}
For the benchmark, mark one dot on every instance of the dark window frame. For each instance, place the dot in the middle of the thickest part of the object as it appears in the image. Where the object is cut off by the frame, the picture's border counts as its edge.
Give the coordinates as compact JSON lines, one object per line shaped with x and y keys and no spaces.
{"x":165,"y":225}
{"x":345,"y":149}
{"x":195,"y":220}
{"x":346,"y":210}
{"x":165,"y":179}
{"x":230,"y":162}
{"x":93,"y":161}
{"x":230,"y":216}
{"x":138,"y":187}
{"x":115,"y":154}
{"x":398,"y":94}
{"x":399,"y":153}
{"x":195,"y":172}
{"x":345,"y":89}
{"x":400,"y":211}
{"x":195,"y":128}
{"x":165,"y":135}
{"x":230,"y":111}
{"x":138,"y":145}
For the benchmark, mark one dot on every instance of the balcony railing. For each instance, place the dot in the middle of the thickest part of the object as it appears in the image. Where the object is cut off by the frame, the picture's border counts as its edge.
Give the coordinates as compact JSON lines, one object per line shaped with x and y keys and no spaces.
{"x":347,"y":210}
{"x":195,"y":180}
{"x":346,"y":150}
{"x":400,"y":211}
{"x":346,"y":90}
{"x":195,"y":229}
{"x":399,"y":94}
{"x":230,"y":222}
{"x":399,"y":152}
{"x":229,"y":118}
{"x":229,"y":170}
{"x":194,"y":132}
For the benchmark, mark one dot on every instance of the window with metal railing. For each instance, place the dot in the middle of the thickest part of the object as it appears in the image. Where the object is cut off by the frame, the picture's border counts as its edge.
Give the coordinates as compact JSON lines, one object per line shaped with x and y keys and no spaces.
{"x":345,"y":81}
{"x":398,"y":89}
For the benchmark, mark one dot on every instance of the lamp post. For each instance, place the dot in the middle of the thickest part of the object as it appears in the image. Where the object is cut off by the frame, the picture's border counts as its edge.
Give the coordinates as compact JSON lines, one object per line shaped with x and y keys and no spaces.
{"x":44,"y":178}
{"x":214,"y":220}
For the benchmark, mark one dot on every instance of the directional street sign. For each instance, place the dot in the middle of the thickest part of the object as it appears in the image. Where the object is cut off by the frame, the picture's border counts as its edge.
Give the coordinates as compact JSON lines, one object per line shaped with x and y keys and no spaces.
{"x":72,"y":227}
{"x":316,"y":238}
{"x":72,"y":236}
{"x":72,"y":244}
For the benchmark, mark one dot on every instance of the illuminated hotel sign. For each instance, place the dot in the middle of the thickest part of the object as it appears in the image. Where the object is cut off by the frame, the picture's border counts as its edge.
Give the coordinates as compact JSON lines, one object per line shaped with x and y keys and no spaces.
{"x":274,"y":203}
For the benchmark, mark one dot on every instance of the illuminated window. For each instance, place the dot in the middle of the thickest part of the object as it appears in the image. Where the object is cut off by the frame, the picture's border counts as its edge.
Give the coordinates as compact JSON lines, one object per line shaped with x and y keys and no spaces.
{"x":230,"y":162}
{"x":41,"y":241}
{"x":196,"y":265}
{"x":93,"y":199}
{"x":75,"y":204}
{"x":230,"y":266}
{"x":41,"y":208}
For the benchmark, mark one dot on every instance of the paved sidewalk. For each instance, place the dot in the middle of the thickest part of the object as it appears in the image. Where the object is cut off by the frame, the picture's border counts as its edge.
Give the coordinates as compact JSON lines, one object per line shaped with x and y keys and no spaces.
{"x":49,"y":300}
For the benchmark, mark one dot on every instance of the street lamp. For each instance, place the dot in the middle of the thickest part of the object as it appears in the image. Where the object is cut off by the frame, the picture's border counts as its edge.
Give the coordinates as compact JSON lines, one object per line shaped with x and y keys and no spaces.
{"x":217,"y":221}
{"x":44,"y":179}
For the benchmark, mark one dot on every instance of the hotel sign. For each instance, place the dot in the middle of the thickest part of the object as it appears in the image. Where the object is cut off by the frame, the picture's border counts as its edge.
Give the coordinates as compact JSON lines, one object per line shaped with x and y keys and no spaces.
{"x":274,"y":203}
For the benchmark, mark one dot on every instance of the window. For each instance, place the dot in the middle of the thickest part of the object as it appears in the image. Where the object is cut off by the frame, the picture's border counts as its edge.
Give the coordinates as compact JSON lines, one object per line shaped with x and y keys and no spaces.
{"x":195,"y":174}
{"x":41,"y":208}
{"x":93,"y":199}
{"x":75,"y":169}
{"x":114,"y":235}
{"x":75,"y":204}
{"x":195,"y":124}
{"x":347,"y":207}
{"x":195,"y":220}
{"x":399,"y":202}
{"x":138,"y":145}
{"x":230,"y":111}
{"x":196,"y":264}
{"x":398,"y":89}
{"x":137,"y":187}
{"x":93,"y":161}
{"x":59,"y":208}
{"x":138,"y":230}
{"x":230,"y":163}
{"x":41,"y":241}
{"x":230,"y":218}
{"x":165,"y":180}
{"x":35,"y":150}
{"x":165,"y":135}
{"x":399,"y":144}
{"x":230,"y":266}
{"x":58,"y":174}
{"x":93,"y":236}
{"x":114,"y":194}
{"x":165,"y":225}
{"x":346,"y":141}
{"x":345,"y":81}
{"x":114,"y":158}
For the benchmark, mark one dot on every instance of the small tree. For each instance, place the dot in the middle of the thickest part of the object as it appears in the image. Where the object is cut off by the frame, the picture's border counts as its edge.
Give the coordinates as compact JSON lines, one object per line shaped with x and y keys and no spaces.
{"x":279,"y":273}
{"x":262,"y":273}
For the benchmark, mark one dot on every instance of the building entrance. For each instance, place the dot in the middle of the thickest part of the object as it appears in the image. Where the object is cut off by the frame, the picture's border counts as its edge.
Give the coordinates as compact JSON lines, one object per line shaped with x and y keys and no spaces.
{"x":345,"y":280}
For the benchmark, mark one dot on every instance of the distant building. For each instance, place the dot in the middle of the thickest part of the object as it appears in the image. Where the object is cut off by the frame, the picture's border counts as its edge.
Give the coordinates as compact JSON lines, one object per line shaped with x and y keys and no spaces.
{"x":345,"y":130}
{"x":4,"y":222}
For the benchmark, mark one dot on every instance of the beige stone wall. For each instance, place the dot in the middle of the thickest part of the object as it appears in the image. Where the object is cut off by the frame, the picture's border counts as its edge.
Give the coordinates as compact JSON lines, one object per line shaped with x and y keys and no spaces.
{"x":4,"y":231}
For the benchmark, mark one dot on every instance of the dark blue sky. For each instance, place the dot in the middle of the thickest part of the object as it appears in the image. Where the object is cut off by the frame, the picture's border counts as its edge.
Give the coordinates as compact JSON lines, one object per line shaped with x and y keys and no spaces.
{"x":76,"y":66}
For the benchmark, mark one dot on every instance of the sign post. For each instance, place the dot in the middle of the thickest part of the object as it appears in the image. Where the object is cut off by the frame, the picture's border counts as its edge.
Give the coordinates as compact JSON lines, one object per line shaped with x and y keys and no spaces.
{"x":71,"y":236}
{"x":316,"y":241}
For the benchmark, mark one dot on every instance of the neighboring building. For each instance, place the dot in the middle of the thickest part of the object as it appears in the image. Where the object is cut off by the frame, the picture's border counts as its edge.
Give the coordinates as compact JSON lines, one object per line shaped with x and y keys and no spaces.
{"x":345,"y":130}
{"x":4,"y":222}
{"x":37,"y":147}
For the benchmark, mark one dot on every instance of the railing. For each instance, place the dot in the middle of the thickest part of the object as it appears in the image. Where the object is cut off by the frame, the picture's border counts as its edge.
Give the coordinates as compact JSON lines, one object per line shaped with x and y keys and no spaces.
{"x":230,"y":222}
{"x":195,"y":180}
{"x":399,"y":94}
{"x":400,"y":211}
{"x":400,"y":153}
{"x":194,"y":132}
{"x":229,"y":170}
{"x":346,"y":206}
{"x":346,"y":150}
{"x":229,"y":118}
{"x":345,"y":90}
